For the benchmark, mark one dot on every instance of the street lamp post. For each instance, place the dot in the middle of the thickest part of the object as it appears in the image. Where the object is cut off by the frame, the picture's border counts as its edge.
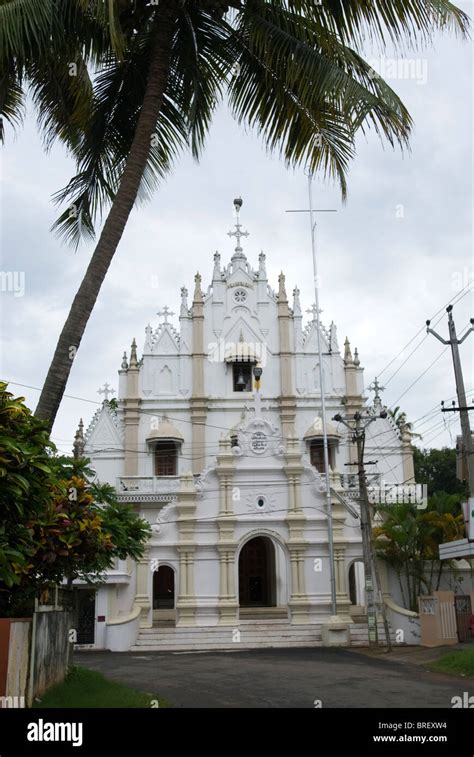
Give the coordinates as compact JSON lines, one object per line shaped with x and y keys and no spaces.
{"x":335,"y":627}
{"x":323,"y":403}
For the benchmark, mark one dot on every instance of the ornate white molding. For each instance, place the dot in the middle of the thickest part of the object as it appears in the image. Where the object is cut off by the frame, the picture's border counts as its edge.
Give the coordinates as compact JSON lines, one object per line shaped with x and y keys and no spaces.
{"x":137,"y":497}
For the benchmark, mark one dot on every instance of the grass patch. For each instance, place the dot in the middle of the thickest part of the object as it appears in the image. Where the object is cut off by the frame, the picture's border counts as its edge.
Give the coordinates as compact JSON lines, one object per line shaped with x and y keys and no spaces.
{"x":456,"y":663}
{"x":87,"y":688}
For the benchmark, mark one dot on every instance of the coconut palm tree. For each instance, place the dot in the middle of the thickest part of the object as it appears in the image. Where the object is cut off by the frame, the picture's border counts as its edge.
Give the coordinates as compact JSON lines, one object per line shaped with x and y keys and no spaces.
{"x":399,"y":417}
{"x":291,"y":69}
{"x":408,"y":539}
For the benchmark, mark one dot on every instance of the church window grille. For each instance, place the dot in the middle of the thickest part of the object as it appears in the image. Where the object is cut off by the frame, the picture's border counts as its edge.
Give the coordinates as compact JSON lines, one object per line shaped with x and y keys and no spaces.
{"x":317,"y":454}
{"x":166,"y":458}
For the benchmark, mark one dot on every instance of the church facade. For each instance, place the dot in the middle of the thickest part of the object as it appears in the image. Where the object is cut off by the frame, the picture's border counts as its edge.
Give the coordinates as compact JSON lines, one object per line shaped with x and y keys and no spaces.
{"x":227,"y":466}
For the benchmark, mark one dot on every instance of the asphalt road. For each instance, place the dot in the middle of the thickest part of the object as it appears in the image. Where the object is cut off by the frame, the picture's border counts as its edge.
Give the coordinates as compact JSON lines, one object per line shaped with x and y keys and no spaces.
{"x":278,"y":678}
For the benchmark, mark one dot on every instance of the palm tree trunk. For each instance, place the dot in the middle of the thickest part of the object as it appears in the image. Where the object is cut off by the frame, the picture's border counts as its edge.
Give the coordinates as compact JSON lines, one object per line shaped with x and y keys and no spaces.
{"x":85,"y":299}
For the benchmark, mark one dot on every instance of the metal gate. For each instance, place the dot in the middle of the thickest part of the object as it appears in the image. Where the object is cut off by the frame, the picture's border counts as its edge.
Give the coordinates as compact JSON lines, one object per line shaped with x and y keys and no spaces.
{"x":462,"y":604}
{"x":84,"y":615}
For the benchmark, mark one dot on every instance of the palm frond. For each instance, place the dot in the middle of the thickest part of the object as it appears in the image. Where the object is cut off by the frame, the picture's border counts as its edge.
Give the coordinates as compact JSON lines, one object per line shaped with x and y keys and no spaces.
{"x":61,"y":90}
{"x":201,"y":63}
{"x":11,"y":100}
{"x":407,"y":24}
{"x":25,"y":27}
{"x":307,"y":93}
{"x":199,"y":67}
{"x":106,"y":142}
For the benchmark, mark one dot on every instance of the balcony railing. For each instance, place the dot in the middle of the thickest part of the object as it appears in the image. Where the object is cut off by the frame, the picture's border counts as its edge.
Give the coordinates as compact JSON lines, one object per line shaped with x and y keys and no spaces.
{"x":129,"y":486}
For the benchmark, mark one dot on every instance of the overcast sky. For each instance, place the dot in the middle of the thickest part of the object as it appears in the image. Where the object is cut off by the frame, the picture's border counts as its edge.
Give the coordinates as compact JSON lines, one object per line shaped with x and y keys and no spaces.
{"x":396,"y":253}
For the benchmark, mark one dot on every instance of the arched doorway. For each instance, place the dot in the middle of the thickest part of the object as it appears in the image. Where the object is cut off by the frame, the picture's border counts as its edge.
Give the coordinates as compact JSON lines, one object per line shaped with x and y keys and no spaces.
{"x":257,"y":577}
{"x":163,"y":588}
{"x":357,"y":583}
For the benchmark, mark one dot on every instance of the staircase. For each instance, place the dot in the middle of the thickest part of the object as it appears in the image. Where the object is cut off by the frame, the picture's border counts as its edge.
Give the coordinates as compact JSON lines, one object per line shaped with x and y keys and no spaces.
{"x":360,"y":636}
{"x":249,"y":634}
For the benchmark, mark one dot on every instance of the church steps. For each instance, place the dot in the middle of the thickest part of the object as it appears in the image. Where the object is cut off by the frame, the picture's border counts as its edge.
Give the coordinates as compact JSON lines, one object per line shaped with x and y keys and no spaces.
{"x":253,"y":635}
{"x":225,"y":647}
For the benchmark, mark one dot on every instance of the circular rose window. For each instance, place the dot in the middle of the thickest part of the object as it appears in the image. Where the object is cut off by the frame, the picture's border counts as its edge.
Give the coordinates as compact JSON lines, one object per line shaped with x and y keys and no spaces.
{"x":240,"y":295}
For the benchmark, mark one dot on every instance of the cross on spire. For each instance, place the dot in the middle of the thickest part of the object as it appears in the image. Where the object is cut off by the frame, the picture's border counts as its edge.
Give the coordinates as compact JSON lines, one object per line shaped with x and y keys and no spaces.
{"x":377,"y":388}
{"x":165,"y":313}
{"x":106,"y":390}
{"x":314,"y":311}
{"x":238,"y":234}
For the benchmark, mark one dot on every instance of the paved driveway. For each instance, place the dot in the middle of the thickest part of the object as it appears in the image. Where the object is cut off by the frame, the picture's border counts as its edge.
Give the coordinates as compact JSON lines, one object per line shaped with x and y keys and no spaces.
{"x":277,"y":678}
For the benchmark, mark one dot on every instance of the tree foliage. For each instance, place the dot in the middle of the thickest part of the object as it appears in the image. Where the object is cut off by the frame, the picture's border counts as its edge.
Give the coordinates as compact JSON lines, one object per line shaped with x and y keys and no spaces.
{"x":54,"y":524}
{"x":437,"y":469}
{"x":408,"y":538}
{"x":292,"y":70}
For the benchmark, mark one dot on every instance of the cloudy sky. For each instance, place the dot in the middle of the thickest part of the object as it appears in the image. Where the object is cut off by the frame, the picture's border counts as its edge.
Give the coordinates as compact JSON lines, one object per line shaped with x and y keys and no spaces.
{"x":395,"y":254}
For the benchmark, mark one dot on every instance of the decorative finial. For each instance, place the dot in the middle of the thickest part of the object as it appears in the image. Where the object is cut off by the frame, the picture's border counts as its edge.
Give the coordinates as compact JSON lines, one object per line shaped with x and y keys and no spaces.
{"x":106,"y":390}
{"x":347,"y":352}
{"x":238,"y":234}
{"x":148,"y":338}
{"x":79,"y":443}
{"x":216,"y":274}
{"x":376,"y":388}
{"x":165,"y":313}
{"x":133,"y":354}
{"x":281,"y":288}
{"x":333,"y":343}
{"x":184,"y":303}
{"x":197,"y":288}
{"x":296,"y":302}
{"x":262,"y":270}
{"x":356,"y":358}
{"x":124,"y":362}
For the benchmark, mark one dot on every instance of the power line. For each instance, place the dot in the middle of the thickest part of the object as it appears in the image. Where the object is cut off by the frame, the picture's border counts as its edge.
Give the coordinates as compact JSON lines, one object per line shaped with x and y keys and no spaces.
{"x":457,"y":298}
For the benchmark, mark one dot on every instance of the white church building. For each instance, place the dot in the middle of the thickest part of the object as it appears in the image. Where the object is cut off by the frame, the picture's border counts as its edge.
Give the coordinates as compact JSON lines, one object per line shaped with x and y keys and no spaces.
{"x":229,"y":472}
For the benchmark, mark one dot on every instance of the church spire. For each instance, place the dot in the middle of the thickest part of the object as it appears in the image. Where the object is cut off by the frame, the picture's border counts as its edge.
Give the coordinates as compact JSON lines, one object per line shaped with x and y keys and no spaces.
{"x":197,"y":288}
{"x":216,"y":274}
{"x":183,"y":312}
{"x":238,"y":258}
{"x":296,"y":302}
{"x":282,"y":297}
{"x":133,"y":355}
{"x":347,"y":353}
{"x":79,"y":442}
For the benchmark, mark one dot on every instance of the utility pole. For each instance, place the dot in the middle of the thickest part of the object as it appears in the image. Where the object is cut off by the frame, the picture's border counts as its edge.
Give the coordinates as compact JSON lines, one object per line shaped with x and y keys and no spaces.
{"x":454,"y":343}
{"x":357,"y":425}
